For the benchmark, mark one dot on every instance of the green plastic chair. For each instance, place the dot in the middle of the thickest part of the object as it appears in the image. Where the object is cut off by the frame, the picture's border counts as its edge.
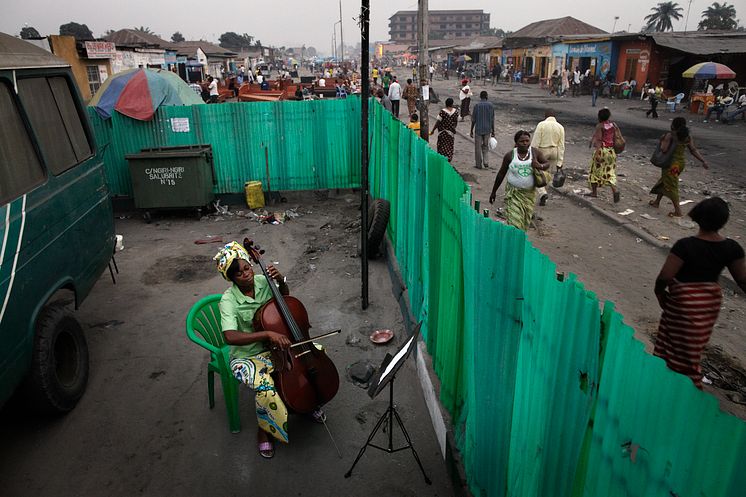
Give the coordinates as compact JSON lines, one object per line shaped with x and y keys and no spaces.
{"x":203,"y":328}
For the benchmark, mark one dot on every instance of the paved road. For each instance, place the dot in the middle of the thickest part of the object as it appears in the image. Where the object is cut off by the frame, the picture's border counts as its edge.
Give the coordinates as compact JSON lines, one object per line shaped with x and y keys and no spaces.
{"x":144,"y":427}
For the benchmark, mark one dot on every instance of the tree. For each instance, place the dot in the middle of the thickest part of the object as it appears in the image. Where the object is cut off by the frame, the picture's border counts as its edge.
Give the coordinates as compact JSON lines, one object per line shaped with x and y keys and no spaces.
{"x":661,"y":16}
{"x":258,"y":43}
{"x":719,"y":16}
{"x":144,"y":30}
{"x":311,"y":52}
{"x":28,"y":32}
{"x":79,"y":31}
{"x":177,"y":37}
{"x":498,"y":32}
{"x":235,"y":41}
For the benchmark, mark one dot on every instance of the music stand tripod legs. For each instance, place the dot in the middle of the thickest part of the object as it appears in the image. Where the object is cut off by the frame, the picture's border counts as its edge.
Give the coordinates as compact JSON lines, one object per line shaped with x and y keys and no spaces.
{"x":388,"y":417}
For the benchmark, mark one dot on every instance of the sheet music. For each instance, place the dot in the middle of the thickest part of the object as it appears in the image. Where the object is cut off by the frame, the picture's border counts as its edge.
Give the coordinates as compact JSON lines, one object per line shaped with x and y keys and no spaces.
{"x":395,"y":360}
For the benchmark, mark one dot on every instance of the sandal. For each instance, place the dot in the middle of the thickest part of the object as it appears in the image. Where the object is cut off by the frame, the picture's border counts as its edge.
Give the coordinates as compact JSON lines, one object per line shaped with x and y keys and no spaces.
{"x":266,"y":450}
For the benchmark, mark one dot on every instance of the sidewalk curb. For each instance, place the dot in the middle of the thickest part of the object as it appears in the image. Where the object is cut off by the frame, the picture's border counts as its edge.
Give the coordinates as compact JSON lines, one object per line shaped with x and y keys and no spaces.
{"x":725,"y":280}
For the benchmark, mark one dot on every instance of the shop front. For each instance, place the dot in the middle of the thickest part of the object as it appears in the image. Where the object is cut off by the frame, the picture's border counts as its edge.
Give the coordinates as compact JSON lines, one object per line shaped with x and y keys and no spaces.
{"x":537,"y":61}
{"x":639,"y":61}
{"x":596,"y":56}
{"x":558,"y":57}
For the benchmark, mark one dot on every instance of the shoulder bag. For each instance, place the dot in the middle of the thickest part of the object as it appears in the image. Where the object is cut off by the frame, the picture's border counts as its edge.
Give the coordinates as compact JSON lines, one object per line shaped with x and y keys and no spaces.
{"x":619,"y":141}
{"x":663,"y":159}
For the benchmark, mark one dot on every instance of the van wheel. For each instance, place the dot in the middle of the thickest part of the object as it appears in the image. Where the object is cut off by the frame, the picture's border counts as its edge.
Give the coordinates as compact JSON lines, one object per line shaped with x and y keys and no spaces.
{"x":378,"y":219}
{"x":59,"y":370}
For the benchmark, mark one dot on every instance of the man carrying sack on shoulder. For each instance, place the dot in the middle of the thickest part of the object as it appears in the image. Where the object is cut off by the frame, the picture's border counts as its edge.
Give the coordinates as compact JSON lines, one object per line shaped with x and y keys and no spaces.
{"x":549,"y":138}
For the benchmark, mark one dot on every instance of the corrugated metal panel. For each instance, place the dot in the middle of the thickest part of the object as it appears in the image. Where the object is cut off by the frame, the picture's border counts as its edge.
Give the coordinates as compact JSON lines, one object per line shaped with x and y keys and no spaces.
{"x":309,"y":145}
{"x":548,"y":396}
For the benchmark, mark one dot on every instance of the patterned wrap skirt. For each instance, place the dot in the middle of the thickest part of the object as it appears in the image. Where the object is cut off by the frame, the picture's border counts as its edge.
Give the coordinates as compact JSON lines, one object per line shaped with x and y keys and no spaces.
{"x":689,"y":314}
{"x":668,"y":184}
{"x":465,"y":104}
{"x":445,"y":144}
{"x":519,"y":206}
{"x":271,"y":413}
{"x":603,"y":167}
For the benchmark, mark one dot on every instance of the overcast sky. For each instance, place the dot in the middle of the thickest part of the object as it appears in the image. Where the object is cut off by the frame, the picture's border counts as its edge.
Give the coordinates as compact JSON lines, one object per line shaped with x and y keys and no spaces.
{"x":309,"y":22}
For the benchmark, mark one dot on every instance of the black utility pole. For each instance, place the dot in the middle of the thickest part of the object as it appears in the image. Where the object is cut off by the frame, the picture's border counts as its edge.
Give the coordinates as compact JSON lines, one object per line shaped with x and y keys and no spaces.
{"x":423,"y":26}
{"x":364,"y":187}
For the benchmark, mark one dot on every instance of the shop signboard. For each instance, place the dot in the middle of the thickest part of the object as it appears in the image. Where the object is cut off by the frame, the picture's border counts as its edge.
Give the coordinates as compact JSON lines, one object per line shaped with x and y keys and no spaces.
{"x":100,"y":49}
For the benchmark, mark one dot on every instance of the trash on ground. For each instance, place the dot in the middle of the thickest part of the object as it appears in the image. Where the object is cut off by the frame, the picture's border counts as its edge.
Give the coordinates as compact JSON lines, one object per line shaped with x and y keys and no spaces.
{"x":648,"y":216}
{"x":686,"y":223}
{"x":626,"y":212}
{"x":638,"y":240}
{"x":119,"y":244}
{"x":662,"y":237}
{"x":220,"y":209}
{"x":274,"y":218}
{"x":684,"y":202}
{"x":581,"y":191}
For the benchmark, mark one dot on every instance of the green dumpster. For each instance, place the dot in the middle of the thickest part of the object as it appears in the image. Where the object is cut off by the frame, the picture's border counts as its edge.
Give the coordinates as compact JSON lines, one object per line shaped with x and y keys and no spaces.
{"x":172,"y":177}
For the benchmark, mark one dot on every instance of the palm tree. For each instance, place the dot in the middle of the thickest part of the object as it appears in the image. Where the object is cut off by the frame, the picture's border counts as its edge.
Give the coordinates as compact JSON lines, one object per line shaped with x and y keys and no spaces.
{"x":719,"y":17}
{"x":143,"y":29}
{"x":661,"y":16}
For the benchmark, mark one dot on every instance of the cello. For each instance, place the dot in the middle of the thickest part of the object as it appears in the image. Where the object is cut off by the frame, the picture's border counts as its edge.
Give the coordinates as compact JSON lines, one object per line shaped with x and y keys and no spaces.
{"x":305,"y":377}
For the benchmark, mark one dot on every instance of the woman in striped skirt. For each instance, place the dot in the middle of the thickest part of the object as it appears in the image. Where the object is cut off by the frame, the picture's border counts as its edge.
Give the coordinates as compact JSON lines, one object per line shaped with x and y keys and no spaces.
{"x":688,"y":291}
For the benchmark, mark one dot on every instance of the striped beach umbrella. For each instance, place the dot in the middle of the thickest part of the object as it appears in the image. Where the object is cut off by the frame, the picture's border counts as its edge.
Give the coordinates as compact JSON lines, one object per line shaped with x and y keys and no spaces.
{"x":709,"y":70}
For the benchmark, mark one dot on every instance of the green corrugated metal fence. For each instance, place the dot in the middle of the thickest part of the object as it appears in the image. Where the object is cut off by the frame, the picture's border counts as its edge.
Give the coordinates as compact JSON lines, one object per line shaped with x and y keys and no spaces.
{"x":309,"y":145}
{"x":550,"y":396}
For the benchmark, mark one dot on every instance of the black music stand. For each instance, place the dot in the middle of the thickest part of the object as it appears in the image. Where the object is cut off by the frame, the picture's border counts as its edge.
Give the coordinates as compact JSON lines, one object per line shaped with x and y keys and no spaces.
{"x":385,"y":376}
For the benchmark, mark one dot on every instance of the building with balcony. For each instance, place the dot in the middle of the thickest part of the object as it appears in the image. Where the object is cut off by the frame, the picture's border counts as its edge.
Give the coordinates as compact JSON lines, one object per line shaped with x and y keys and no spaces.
{"x":444,"y":25}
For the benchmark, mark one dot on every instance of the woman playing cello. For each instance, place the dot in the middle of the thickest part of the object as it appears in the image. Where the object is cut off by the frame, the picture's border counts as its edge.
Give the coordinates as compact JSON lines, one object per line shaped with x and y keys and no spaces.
{"x":251,"y":360}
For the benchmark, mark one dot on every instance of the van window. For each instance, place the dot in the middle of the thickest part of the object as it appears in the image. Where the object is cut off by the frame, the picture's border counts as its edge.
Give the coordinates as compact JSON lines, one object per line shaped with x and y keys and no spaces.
{"x":55,"y":121}
{"x":20,"y":169}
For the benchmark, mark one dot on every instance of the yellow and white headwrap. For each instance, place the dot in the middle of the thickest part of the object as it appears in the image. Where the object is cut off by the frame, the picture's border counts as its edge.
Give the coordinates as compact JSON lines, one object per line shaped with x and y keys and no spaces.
{"x":229,"y":253}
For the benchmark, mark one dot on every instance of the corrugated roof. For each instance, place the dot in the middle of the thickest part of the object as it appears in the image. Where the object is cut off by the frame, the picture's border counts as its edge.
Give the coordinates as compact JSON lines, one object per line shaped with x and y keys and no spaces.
{"x":555,"y":27}
{"x":18,"y":54}
{"x":702,"y":43}
{"x":135,"y":37}
{"x":190,"y":48}
{"x":481,"y":43}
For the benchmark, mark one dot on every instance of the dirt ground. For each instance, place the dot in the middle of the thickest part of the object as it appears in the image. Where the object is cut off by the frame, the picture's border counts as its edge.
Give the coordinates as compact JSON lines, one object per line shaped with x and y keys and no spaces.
{"x":610,"y":260}
{"x":144,"y":426}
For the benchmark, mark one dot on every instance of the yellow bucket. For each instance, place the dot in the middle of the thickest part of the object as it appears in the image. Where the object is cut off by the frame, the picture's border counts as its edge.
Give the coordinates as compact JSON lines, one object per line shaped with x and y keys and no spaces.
{"x":254,"y":194}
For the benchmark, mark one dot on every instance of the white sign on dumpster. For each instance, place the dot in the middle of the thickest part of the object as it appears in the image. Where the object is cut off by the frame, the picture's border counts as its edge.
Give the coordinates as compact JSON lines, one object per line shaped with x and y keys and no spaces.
{"x":180,"y":124}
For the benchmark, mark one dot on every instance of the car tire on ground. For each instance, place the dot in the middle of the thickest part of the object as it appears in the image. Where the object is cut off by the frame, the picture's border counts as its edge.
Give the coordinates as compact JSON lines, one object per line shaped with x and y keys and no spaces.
{"x":59,"y":370}
{"x":378,"y":219}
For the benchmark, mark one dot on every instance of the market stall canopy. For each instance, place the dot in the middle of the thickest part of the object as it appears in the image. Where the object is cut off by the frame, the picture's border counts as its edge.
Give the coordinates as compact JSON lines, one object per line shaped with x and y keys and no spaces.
{"x":709,"y":70}
{"x":138,"y":93}
{"x":463,"y":58}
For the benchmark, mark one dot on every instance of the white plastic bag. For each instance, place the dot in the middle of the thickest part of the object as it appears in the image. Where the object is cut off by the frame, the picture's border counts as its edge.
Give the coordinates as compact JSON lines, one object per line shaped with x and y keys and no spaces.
{"x":493,"y":143}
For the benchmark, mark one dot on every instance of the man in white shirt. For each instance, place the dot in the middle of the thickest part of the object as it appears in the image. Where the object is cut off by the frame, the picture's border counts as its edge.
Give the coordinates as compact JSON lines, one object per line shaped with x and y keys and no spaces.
{"x":576,"y":82}
{"x":213,"y":88}
{"x":395,"y":97}
{"x":549,"y":138}
{"x":431,"y":70}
